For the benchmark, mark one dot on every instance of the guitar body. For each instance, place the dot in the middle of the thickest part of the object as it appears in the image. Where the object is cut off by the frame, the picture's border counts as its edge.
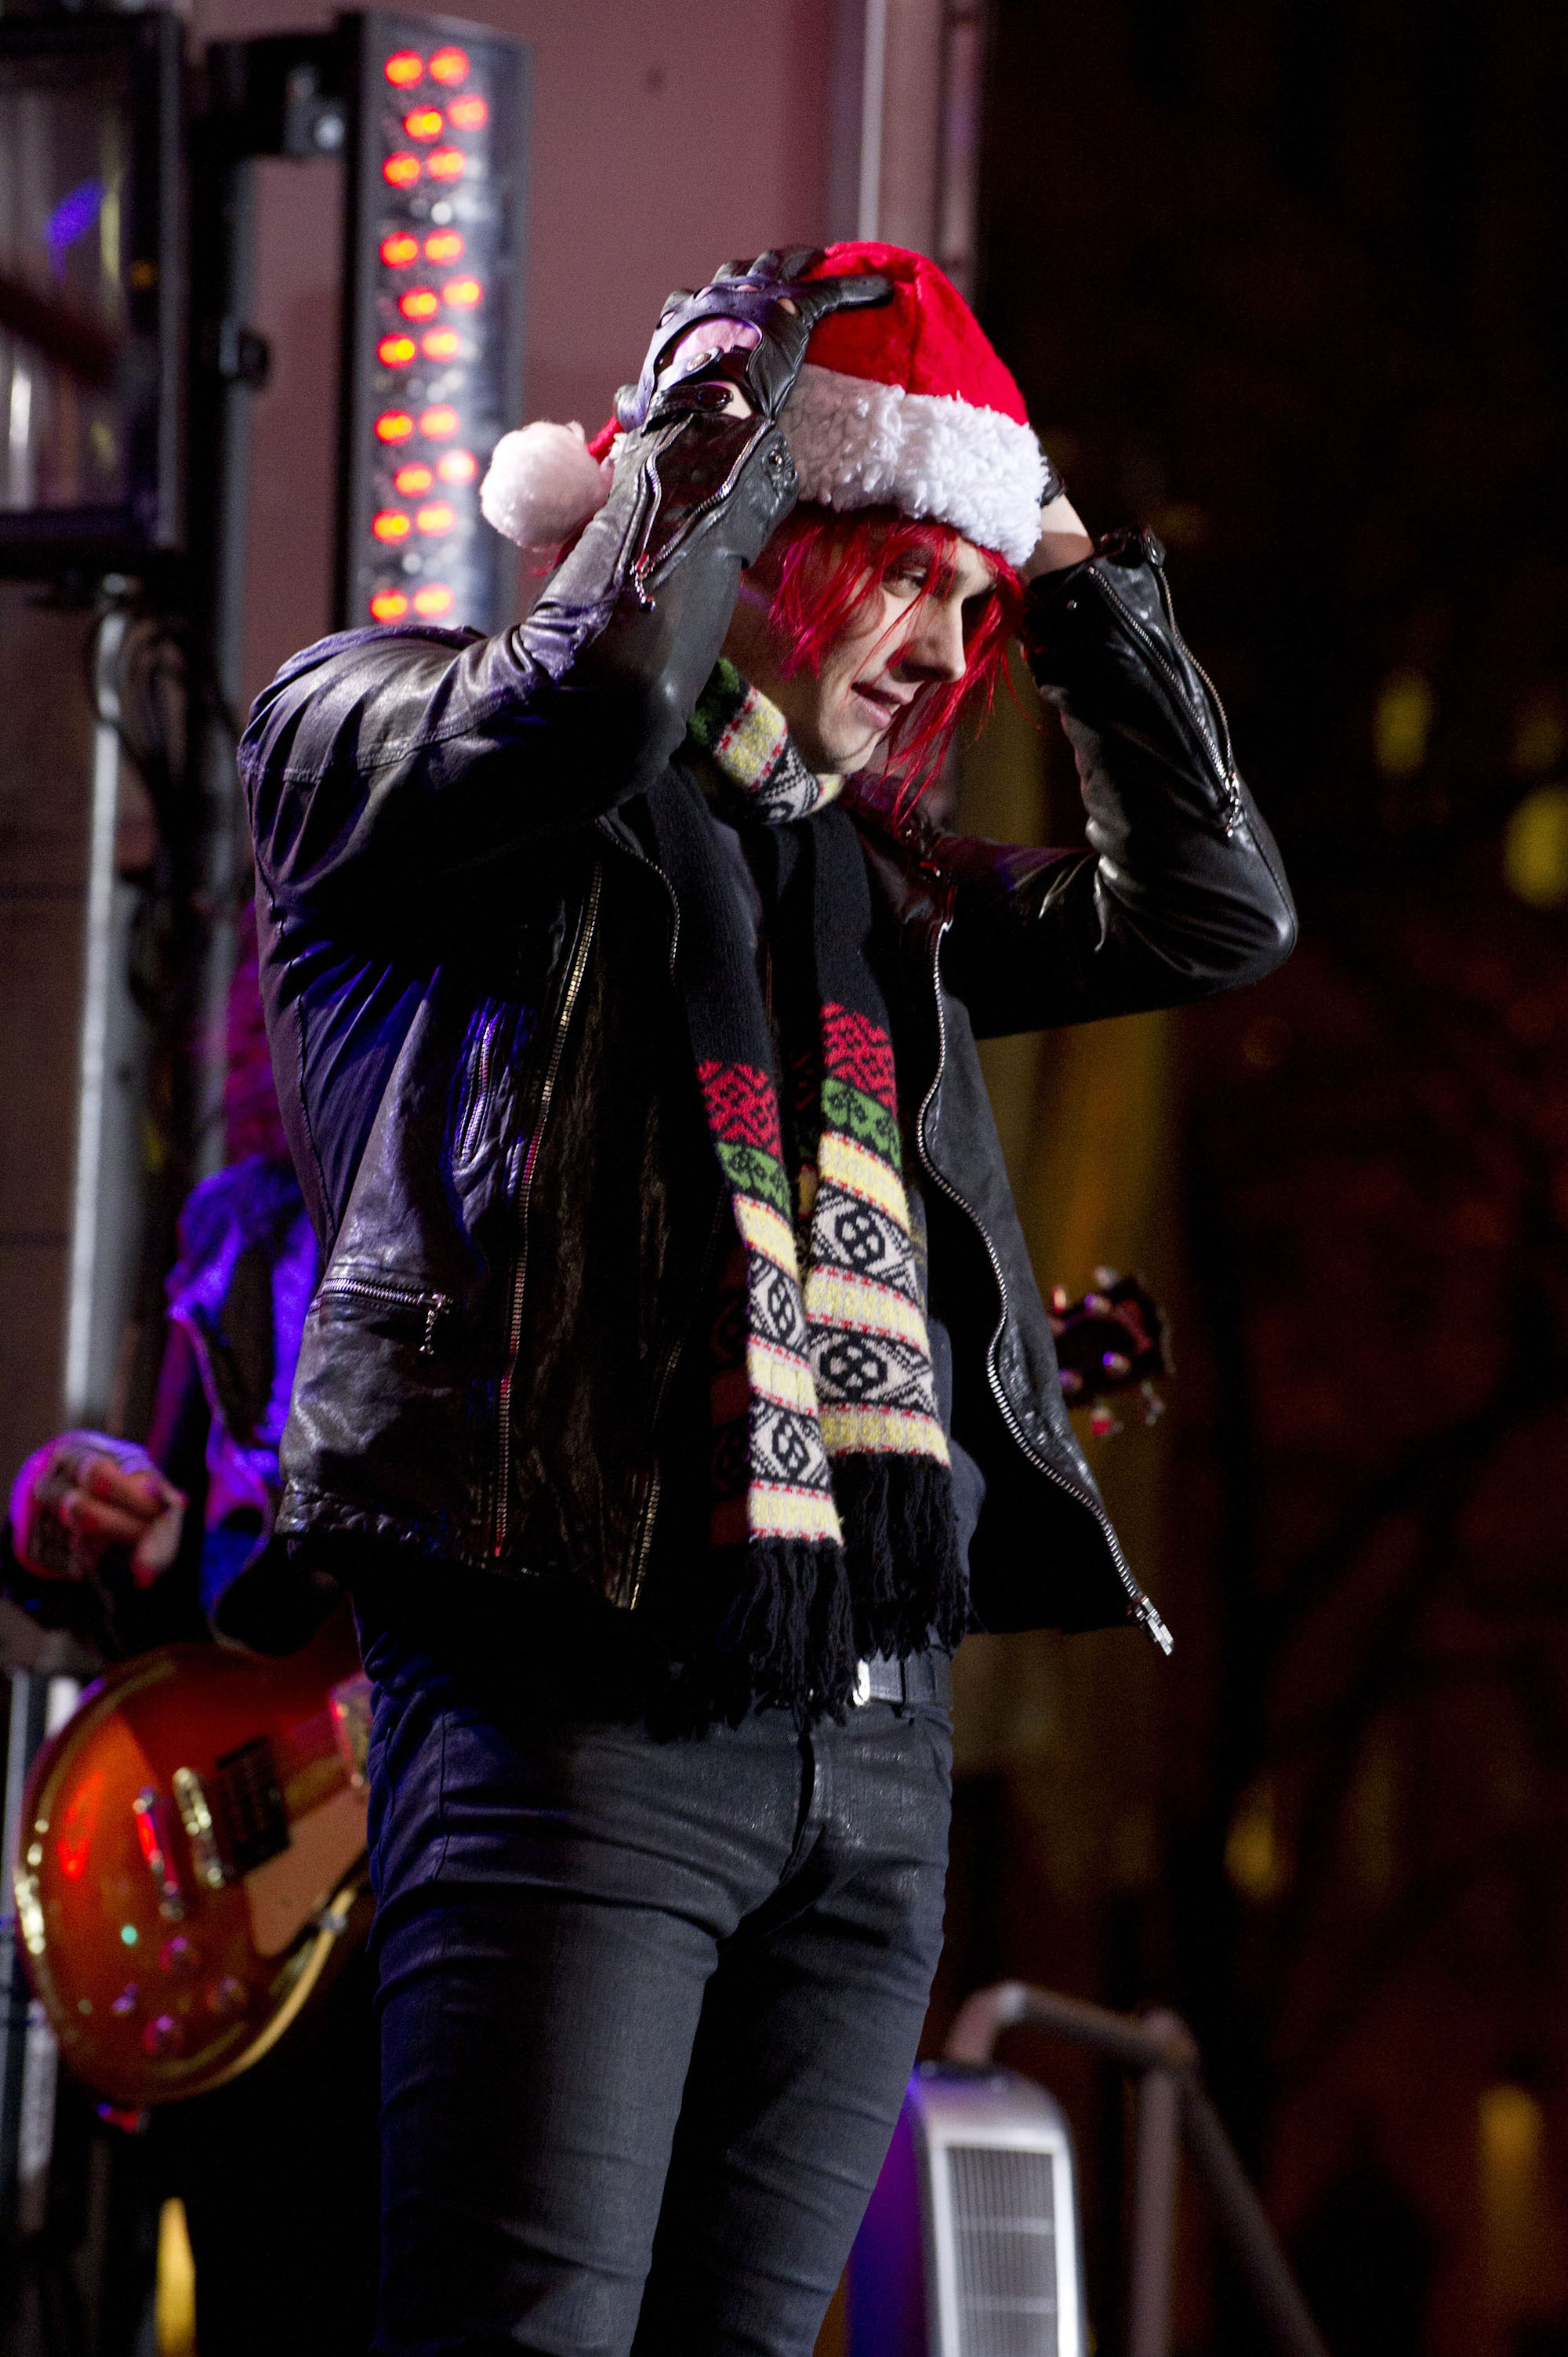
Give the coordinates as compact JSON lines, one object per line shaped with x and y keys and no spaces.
{"x":191,"y":1860}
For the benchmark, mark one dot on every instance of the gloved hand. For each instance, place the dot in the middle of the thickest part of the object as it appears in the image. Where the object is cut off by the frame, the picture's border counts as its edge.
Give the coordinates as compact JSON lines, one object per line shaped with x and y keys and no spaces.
{"x":82,"y":1493}
{"x":775,"y":310}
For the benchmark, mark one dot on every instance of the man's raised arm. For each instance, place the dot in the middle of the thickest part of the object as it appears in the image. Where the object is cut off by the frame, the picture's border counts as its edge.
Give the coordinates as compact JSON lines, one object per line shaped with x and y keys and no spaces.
{"x":382,"y":757}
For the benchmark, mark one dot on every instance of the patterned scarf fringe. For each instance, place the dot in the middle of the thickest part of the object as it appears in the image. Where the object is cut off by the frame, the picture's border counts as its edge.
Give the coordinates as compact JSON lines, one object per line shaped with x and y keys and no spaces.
{"x":788,"y":1621}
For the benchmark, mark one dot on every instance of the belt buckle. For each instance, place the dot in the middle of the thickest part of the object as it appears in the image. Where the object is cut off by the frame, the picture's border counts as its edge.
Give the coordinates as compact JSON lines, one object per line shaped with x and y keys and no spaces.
{"x":862,"y":1684}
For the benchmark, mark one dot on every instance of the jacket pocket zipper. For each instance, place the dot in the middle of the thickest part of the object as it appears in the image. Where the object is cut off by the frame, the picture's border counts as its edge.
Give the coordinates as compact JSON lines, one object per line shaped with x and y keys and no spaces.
{"x":1142,"y":1610}
{"x":432,"y":1306}
{"x":525,"y":1191}
{"x":477,"y":1091}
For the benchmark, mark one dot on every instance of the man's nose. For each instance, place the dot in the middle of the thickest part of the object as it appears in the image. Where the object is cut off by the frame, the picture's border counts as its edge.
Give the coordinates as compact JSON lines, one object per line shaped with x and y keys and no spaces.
{"x":934,"y":649}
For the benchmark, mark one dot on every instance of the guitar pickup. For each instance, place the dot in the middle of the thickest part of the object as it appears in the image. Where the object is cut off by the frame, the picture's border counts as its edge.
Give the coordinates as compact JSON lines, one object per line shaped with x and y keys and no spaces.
{"x":195,"y":1817}
{"x":349,"y":1702}
{"x":151,"y":1834}
{"x":254,"y":1819}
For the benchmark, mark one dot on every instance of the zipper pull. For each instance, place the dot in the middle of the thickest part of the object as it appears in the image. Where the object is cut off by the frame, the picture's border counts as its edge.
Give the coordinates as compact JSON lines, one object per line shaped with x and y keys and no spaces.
{"x":1151,"y":1625}
{"x":432,"y":1317}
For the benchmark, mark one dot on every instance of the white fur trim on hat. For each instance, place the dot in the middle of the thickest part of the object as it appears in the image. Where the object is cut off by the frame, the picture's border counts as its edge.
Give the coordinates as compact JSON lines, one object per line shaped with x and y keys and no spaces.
{"x":859,"y":444}
{"x":543,"y":484}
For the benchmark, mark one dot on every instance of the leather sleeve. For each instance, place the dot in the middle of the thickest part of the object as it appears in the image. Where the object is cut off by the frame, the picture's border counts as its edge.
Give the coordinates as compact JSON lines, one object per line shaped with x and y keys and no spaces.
{"x":1181,"y":893}
{"x":391,"y":760}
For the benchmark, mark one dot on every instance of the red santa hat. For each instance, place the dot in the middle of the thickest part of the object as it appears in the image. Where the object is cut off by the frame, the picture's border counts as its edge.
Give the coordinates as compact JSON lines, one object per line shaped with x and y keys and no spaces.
{"x":906,"y":406}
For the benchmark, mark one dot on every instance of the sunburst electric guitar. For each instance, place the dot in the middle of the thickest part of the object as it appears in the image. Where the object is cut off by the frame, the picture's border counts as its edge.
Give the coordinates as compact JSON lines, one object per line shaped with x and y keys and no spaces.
{"x":191,"y":1860}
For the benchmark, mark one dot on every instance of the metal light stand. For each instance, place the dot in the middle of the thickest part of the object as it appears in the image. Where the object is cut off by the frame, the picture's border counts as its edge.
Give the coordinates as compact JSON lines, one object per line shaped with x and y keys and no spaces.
{"x":1159,"y":2052}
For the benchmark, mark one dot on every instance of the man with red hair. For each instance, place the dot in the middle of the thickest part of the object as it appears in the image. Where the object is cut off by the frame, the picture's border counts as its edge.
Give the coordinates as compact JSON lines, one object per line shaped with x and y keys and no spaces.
{"x":678,"y":1392}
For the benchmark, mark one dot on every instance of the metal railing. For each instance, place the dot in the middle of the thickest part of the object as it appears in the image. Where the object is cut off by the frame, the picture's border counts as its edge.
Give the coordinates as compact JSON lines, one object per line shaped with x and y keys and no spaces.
{"x":1158,"y":2050}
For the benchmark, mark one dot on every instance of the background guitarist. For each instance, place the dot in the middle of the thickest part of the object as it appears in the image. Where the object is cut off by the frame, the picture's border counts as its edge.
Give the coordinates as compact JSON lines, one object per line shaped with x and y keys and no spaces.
{"x":135,"y":1547}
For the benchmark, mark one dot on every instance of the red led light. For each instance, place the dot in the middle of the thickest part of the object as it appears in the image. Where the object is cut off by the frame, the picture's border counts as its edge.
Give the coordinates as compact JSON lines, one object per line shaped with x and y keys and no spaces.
{"x":441,"y":344}
{"x":419,"y":303}
{"x":435,"y":598}
{"x":468,"y":114}
{"x":415,"y":480}
{"x":444,"y":246}
{"x":438,"y":423}
{"x":436,"y":517}
{"x":398,"y":250}
{"x":455,"y":467}
{"x":450,"y":66}
{"x":425,"y":122}
{"x":390,"y":525}
{"x":393,"y":425}
{"x":395,"y":351}
{"x":388,"y":606}
{"x":448,"y":164}
{"x":403,"y":68}
{"x":462,"y":294}
{"x":400,"y":172}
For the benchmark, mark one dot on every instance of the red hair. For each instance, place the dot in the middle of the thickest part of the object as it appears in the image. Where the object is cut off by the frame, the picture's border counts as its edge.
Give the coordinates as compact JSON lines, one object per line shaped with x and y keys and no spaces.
{"x":832,"y":565}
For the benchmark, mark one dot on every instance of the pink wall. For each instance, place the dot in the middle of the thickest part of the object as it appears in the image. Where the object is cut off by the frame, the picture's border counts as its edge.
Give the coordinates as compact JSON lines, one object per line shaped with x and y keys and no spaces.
{"x":665,"y":137}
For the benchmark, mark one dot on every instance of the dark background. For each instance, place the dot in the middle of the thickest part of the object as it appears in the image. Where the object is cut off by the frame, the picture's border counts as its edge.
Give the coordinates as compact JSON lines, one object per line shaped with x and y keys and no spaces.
{"x":1286,"y":281}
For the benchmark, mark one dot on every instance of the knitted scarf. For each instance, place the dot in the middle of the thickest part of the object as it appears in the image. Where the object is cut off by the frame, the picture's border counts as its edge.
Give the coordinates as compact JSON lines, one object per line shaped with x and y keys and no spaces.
{"x":833,"y":1528}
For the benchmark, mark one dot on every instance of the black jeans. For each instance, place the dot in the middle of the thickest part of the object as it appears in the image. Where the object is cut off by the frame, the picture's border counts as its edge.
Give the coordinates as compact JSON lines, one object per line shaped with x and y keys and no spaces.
{"x":648,"y":2007}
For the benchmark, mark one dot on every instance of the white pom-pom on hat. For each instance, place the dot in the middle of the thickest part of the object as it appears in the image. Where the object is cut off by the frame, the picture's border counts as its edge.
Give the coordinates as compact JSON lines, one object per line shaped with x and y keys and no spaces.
{"x":543,"y":484}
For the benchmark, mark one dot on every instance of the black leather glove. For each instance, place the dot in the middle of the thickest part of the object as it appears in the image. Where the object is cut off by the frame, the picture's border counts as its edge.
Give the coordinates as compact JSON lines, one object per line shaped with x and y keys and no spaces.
{"x":759,"y":294}
{"x":640,"y":605}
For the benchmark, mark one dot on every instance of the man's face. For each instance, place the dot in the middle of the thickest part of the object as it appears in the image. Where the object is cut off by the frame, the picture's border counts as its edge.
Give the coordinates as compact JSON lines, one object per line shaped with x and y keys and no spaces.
{"x":911,"y":634}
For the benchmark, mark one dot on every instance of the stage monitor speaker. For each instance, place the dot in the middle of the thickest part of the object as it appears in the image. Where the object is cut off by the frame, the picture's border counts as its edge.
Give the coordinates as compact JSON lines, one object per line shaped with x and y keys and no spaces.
{"x":971,"y":2246}
{"x":91,"y":289}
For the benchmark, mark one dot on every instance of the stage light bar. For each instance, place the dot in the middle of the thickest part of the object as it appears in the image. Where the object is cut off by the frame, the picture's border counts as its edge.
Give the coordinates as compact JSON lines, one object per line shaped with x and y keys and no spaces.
{"x":432,"y":374}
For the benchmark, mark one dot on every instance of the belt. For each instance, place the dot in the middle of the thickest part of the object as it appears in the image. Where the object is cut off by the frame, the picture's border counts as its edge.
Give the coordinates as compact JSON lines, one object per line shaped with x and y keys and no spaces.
{"x":914,"y":1677}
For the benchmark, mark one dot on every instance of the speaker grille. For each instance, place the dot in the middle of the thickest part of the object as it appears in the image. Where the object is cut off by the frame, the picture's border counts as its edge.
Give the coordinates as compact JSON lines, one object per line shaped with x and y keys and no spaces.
{"x":1005,"y":2246}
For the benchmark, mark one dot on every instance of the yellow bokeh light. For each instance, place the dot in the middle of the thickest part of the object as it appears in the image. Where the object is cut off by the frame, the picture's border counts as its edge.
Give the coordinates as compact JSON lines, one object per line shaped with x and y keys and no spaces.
{"x":1401,"y":722}
{"x":1255,"y":1859}
{"x":1535,"y":849}
{"x":174,"y":2301}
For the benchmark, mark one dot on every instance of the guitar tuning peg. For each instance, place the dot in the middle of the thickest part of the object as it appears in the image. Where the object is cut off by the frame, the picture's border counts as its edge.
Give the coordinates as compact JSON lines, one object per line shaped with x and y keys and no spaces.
{"x":1103,"y":1423}
{"x":1115,"y":1365}
{"x":1153,"y":1405}
{"x":1097,"y":1304}
{"x":1072,"y":1383}
{"x":1059,"y":1301}
{"x":1105,"y":1279}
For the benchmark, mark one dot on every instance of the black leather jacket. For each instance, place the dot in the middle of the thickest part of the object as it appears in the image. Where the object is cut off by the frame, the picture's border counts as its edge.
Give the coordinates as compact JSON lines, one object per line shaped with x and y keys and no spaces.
{"x":469,"y":963}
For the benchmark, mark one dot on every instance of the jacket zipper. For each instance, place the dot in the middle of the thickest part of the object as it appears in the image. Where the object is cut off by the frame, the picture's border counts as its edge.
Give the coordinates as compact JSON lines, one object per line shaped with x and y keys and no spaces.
{"x":1142,"y":1610}
{"x":643,"y":1542}
{"x":1223,"y":763}
{"x":361,"y":1288}
{"x":525,"y":1190}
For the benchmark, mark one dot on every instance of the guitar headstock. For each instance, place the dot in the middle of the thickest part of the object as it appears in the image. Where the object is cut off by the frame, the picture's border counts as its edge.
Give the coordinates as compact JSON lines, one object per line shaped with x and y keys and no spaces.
{"x":1112,"y":1339}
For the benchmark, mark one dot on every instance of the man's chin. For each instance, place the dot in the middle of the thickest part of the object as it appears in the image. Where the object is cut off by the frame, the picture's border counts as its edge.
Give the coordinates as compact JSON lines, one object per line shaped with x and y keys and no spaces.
{"x":854,"y":751}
